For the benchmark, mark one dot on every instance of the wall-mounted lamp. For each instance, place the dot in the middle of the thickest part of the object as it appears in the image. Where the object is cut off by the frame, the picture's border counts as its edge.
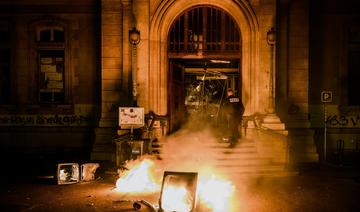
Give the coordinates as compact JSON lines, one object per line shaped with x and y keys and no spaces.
{"x":134,"y":39}
{"x":134,"y":36}
{"x":271,"y":40}
{"x":271,"y":36}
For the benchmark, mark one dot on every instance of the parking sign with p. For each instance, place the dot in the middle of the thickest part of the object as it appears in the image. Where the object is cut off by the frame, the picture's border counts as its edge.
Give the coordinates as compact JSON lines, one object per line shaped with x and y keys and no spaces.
{"x":326,"y":96}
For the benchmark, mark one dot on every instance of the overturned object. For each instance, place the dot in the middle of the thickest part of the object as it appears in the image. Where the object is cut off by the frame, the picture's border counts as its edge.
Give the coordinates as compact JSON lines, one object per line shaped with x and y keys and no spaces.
{"x":88,"y":171}
{"x":69,"y":173}
{"x":178,"y":191}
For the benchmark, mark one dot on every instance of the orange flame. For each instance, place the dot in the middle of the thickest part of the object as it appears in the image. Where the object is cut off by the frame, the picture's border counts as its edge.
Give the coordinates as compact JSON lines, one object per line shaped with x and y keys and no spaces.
{"x":213,"y":193}
{"x":175,"y":198}
{"x":138,"y":179}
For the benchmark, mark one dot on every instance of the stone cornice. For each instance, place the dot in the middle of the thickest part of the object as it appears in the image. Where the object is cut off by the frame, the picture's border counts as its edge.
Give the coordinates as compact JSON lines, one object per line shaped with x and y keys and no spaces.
{"x":126,"y":3}
{"x":75,"y":7}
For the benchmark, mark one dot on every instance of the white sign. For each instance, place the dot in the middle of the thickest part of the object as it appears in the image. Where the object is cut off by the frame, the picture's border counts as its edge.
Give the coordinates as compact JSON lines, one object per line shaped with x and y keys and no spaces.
{"x":131,"y":117}
{"x":326,"y":96}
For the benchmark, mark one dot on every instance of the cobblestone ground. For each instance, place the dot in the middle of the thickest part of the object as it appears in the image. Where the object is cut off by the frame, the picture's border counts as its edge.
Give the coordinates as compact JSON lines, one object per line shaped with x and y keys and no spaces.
{"x":313,"y":189}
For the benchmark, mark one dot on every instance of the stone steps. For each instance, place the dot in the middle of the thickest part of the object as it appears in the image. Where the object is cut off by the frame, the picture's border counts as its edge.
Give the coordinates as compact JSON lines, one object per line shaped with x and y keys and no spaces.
{"x":251,"y":169}
{"x":244,"y":158}
{"x":242,"y":162}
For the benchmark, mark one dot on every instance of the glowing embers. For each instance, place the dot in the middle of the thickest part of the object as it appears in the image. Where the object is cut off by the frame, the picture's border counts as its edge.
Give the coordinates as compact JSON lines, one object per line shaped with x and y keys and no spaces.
{"x":138,"y":178}
{"x":178,"y":191}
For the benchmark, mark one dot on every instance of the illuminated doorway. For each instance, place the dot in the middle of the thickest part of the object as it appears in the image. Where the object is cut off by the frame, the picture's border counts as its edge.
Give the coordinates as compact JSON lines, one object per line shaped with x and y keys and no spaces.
{"x":204,"y":52}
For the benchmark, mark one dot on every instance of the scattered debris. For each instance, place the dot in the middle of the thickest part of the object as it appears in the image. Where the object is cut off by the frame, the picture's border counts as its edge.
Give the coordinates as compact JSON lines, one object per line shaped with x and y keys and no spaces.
{"x":88,"y":171}
{"x":69,"y":173}
{"x":137,"y":204}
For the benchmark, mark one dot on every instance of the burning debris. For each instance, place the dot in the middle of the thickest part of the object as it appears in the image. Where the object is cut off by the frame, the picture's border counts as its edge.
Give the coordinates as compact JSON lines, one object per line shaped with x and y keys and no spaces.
{"x":139,"y":178}
{"x":184,"y":179}
{"x":185,"y":175}
{"x":178,"y":191}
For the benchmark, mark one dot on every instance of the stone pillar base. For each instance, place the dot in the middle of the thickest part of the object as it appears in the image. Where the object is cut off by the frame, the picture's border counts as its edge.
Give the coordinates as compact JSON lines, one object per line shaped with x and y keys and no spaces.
{"x":272,"y":122}
{"x":103,"y":148}
{"x":302,"y":148}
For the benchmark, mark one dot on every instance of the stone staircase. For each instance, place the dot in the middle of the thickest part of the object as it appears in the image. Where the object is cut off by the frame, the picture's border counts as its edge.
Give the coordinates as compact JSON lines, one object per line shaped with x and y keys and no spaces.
{"x":258,"y":153}
{"x":244,"y":159}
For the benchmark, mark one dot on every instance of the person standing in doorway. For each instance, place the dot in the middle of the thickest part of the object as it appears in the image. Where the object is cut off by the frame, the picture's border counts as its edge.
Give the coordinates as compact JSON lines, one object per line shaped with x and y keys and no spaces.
{"x":233,"y":111}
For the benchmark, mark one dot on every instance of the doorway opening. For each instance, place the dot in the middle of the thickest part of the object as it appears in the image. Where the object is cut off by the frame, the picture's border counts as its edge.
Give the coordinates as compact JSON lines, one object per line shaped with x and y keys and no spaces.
{"x":198,"y":87}
{"x":204,"y":52}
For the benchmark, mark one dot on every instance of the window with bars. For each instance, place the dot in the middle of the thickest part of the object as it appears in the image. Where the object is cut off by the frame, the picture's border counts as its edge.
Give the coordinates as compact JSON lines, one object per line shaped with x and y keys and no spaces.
{"x":204,"y":30}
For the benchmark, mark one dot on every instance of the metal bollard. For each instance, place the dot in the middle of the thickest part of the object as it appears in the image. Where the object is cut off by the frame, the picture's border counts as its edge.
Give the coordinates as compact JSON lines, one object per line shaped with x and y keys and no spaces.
{"x":340,"y":149}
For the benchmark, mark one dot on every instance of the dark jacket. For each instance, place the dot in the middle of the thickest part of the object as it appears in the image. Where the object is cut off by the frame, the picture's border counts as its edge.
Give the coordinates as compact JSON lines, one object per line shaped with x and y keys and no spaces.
{"x":233,"y":106}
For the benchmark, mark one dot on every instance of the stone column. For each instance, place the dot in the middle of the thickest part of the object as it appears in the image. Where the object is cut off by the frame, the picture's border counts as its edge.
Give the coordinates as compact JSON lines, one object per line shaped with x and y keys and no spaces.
{"x":271,"y":121}
{"x":127,"y":49}
{"x":114,"y":78}
{"x":301,"y":136}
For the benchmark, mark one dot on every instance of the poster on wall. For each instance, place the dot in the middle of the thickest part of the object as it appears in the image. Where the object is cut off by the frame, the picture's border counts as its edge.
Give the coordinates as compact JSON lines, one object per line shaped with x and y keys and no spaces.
{"x":46,"y":60}
{"x":48,"y":68}
{"x":51,"y":76}
{"x":131,"y":117}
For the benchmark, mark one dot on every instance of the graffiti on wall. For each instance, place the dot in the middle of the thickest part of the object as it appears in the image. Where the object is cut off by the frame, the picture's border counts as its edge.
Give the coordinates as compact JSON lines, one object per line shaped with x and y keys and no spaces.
{"x":46,"y":120}
{"x":343,"y":121}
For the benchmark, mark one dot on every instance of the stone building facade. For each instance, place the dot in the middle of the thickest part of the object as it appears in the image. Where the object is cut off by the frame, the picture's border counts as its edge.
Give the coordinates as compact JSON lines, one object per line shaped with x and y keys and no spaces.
{"x":50,"y":76}
{"x":67,"y":66}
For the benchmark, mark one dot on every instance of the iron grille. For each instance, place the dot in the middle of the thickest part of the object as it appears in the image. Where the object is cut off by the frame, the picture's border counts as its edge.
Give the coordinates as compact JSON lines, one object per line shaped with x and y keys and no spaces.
{"x":204,"y":29}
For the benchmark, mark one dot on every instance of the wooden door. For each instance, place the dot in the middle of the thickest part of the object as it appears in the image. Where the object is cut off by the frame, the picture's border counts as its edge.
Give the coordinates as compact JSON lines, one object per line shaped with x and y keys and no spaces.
{"x":176,"y":103}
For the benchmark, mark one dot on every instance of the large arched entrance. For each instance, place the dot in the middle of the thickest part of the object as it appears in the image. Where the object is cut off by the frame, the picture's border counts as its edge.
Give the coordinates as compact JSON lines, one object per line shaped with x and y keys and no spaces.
{"x":204,"y":52}
{"x":246,"y":58}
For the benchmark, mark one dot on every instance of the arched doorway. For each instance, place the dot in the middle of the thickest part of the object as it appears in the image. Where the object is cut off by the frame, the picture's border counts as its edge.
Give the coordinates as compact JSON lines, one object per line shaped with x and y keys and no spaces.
{"x":162,"y":19}
{"x":204,"y":52}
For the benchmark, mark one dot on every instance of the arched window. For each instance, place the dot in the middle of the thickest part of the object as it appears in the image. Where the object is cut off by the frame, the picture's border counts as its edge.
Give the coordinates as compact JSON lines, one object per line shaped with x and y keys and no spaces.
{"x":50,"y":34}
{"x":204,"y":30}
